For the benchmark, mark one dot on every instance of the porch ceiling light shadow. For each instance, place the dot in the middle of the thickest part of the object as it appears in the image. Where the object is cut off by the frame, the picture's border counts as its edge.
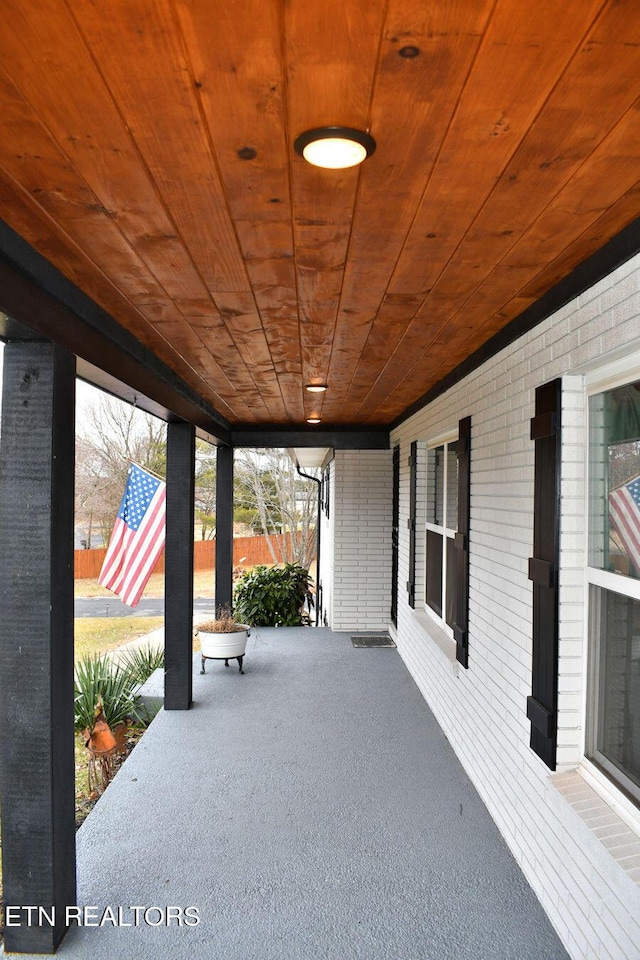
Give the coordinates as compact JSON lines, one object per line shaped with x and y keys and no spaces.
{"x":334,"y":148}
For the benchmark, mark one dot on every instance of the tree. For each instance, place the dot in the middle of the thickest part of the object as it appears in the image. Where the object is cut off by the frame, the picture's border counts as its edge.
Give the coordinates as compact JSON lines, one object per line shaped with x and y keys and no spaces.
{"x":205,"y":490}
{"x":267,"y":489}
{"x":112,"y":434}
{"x":267,"y":483}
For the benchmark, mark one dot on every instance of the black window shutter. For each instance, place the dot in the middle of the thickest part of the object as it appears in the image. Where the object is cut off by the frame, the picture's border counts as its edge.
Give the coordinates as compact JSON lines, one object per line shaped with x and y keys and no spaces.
{"x":411,"y":523}
{"x":542,"y":705}
{"x":395,"y":535}
{"x":327,"y":491}
{"x":460,"y":583}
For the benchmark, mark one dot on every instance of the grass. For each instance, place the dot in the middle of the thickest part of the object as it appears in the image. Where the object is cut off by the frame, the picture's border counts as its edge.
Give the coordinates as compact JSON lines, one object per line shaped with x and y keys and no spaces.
{"x":203,"y":583}
{"x":101,"y":634}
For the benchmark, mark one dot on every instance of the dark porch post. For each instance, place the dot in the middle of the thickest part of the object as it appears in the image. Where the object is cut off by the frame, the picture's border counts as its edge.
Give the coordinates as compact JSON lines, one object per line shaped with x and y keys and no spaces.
{"x":224,"y":527}
{"x":178,"y":593}
{"x":36,"y":643}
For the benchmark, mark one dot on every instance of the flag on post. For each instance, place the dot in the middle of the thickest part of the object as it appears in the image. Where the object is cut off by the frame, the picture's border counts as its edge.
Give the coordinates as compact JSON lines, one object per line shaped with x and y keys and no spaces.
{"x":624,"y":510}
{"x":138,"y":536}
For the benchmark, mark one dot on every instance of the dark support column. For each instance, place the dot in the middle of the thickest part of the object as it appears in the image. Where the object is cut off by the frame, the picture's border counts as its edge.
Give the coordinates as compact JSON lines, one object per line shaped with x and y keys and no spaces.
{"x":178,"y":578}
{"x":224,"y":527}
{"x":36,"y":643}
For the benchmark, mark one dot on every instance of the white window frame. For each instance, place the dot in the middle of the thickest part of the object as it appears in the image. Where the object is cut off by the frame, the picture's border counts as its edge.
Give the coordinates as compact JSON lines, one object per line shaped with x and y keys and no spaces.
{"x":448,"y":533}
{"x":622,"y":371}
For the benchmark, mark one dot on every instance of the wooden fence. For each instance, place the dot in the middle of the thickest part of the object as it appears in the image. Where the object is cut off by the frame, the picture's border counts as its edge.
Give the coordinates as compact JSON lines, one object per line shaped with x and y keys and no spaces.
{"x":247,"y":552}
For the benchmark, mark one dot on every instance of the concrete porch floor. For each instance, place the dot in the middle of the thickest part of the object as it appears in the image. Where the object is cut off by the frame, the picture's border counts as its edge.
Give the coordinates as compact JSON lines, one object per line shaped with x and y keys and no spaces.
{"x":309,"y":809}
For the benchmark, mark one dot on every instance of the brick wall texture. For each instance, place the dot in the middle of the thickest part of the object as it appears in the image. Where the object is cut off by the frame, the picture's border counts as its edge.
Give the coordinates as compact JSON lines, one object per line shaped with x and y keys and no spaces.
{"x":360,"y":543}
{"x":591,"y":892}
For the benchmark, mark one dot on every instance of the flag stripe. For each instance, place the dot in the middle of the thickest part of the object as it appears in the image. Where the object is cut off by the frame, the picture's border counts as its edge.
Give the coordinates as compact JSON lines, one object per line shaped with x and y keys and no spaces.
{"x":138,"y":573}
{"x":136,"y":567}
{"x":138,"y":537}
{"x":146,"y":534}
{"x":625,"y":517}
{"x":112,"y":564}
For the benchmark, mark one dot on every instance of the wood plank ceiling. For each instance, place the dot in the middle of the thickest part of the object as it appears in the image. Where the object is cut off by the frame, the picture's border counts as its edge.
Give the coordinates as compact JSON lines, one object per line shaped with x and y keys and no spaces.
{"x":146,"y":151}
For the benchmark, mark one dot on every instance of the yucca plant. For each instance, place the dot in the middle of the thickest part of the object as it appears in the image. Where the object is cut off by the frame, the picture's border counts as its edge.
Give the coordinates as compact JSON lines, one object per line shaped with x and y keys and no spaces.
{"x":142,"y":661}
{"x":101,"y":677}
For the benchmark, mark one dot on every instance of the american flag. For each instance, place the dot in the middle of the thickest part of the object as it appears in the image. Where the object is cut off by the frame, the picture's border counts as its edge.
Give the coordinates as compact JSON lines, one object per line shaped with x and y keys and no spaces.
{"x":624,"y":510}
{"x":138,"y":536}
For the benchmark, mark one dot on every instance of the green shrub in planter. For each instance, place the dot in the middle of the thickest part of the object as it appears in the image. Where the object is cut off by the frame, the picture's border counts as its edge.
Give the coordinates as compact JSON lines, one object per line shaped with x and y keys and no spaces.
{"x":272,"y":596}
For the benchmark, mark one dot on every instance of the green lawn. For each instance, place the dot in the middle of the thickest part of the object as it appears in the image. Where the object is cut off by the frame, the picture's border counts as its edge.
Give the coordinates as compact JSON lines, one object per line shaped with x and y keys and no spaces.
{"x":99,"y":634}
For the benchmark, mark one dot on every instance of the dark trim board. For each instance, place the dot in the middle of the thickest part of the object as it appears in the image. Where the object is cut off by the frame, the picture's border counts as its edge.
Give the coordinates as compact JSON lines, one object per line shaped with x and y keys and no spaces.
{"x":351,"y":437}
{"x":603,"y":262}
{"x":42,"y":300}
{"x":178,"y":577}
{"x":224,"y":530}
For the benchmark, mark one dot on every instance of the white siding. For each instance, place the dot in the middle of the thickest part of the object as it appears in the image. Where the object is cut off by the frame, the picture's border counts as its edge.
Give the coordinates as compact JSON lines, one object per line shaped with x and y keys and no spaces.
{"x":591,"y":894}
{"x":360,"y":595}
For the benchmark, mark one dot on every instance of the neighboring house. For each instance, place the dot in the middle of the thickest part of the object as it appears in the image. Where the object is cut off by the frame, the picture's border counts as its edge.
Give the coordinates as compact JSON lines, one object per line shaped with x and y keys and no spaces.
{"x":569,"y":806}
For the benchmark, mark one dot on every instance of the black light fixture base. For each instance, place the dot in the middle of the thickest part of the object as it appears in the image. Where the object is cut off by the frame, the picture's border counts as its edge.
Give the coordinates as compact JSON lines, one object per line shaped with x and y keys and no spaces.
{"x":342,"y":133}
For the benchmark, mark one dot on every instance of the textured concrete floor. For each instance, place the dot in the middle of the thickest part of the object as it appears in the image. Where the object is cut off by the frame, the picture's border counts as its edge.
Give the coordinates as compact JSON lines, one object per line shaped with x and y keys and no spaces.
{"x":309,"y":809}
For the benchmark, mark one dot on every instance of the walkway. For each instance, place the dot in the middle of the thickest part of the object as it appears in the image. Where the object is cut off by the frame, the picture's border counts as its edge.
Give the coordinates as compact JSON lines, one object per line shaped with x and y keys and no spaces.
{"x":311,"y":809}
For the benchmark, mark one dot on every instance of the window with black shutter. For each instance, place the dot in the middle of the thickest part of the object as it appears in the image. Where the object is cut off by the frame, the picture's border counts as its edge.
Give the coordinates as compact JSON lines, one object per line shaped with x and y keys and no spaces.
{"x":440,"y":528}
{"x":447,"y":534}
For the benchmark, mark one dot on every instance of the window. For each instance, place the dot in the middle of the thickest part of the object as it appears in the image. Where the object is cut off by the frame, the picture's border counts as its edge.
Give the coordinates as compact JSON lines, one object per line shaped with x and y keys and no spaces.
{"x":613,"y":721}
{"x":440,"y":528}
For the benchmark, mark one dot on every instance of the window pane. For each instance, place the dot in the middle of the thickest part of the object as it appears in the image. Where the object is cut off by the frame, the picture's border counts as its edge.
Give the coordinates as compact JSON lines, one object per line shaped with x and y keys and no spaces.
{"x":452,"y":489}
{"x":435,"y":485}
{"x":434,"y":571}
{"x":614,"y":480}
{"x":616,"y":685}
{"x":450,"y":583}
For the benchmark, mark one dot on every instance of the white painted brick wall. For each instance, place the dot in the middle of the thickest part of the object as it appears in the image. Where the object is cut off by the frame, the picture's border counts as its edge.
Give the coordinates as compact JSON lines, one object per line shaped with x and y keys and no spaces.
{"x":592,"y":897}
{"x":361,"y":487}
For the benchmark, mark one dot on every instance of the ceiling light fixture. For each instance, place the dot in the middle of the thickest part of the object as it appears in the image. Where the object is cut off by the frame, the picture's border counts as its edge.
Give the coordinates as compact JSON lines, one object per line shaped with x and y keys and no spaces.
{"x":334,"y":148}
{"x":315,"y":387}
{"x":314,"y":420}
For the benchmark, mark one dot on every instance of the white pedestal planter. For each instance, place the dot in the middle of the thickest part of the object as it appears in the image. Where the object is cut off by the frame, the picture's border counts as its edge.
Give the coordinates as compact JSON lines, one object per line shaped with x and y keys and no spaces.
{"x":224,"y":646}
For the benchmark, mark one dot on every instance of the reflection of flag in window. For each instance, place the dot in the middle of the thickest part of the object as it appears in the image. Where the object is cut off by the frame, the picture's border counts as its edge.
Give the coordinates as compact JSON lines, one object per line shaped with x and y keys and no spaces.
{"x":138,"y":536}
{"x":624,"y":510}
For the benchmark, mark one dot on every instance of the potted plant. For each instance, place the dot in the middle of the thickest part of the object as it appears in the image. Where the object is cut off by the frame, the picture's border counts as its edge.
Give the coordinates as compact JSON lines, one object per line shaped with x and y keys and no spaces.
{"x":223,"y":639}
